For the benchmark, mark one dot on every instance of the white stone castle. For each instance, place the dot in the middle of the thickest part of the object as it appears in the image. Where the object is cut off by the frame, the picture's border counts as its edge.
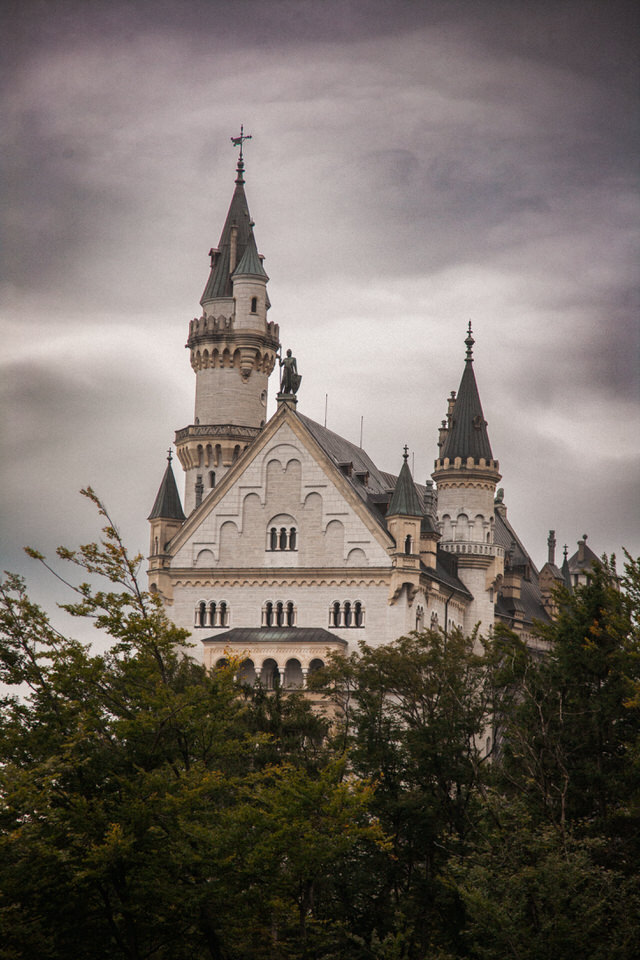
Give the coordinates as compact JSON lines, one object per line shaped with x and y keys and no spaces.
{"x":292,"y":542}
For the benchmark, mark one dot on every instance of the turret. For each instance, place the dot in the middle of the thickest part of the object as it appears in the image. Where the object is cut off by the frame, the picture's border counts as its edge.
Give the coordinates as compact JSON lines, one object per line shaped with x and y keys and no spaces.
{"x":404,"y":518}
{"x":166,"y":518}
{"x":466,"y":476}
{"x":233,"y":350}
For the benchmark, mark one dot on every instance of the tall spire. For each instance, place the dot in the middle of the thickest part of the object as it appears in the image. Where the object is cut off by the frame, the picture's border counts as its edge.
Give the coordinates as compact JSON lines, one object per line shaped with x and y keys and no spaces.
{"x":467,"y":435}
{"x":236,"y":234}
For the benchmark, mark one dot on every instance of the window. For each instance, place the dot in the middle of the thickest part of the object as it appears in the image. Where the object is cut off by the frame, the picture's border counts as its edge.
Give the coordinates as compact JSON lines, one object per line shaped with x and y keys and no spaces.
{"x":282,"y":538}
{"x":419,"y":618}
{"x":347,"y":614}
{"x":212,"y":479}
{"x":254,"y":304}
{"x":408,"y":544}
{"x":212,"y":614}
{"x":279,"y":614}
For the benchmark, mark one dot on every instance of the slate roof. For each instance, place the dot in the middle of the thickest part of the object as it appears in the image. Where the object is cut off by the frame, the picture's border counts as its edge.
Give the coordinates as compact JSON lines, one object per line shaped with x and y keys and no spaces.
{"x":530,"y":595}
{"x":167,"y":504}
{"x":586,"y":565}
{"x":250,"y":264}
{"x":271,"y":635}
{"x":219,"y":282}
{"x":377,"y":492}
{"x":405,"y":501}
{"x":467,"y":434}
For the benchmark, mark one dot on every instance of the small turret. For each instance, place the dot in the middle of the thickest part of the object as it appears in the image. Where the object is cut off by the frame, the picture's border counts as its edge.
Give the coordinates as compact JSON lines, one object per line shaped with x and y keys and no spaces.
{"x":166,"y":518}
{"x":404,"y":519}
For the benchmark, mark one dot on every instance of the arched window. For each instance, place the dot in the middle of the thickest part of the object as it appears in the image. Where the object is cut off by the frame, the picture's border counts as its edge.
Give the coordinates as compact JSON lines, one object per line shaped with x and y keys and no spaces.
{"x":347,"y":614}
{"x":408,"y":544}
{"x":254,"y":304}
{"x":212,"y":479}
{"x":358,"y":614}
{"x":292,"y":538}
{"x":334,"y":615}
{"x":280,"y":614}
{"x":202,"y":614}
{"x":419,"y":618}
{"x":224,"y":615}
{"x":273,"y":539}
{"x":212,"y":614}
{"x":290,"y":614}
{"x":268,"y":614}
{"x":283,"y":538}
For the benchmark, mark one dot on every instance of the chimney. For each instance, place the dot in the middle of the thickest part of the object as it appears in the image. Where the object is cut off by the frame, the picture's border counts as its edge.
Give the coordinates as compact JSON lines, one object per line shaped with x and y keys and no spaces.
{"x":581,"y":546}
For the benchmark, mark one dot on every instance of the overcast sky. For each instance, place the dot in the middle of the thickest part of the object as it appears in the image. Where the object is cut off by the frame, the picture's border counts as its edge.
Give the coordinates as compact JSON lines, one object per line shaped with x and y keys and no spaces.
{"x":413,"y":165}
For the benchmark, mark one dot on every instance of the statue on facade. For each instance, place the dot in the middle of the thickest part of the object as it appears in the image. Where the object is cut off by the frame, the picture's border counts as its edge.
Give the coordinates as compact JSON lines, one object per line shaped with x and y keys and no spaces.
{"x":290,"y":379}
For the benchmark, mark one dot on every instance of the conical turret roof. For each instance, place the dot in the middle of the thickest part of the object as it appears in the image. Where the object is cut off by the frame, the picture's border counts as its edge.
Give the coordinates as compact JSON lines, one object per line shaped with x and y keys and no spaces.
{"x":405,"y":500}
{"x":250,"y":264}
{"x":167,"y":504}
{"x":219,"y":282}
{"x":467,"y":434}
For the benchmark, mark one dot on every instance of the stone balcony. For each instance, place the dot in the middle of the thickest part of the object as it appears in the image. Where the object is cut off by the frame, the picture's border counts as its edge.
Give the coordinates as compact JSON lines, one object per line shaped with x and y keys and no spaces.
{"x":474,"y":548}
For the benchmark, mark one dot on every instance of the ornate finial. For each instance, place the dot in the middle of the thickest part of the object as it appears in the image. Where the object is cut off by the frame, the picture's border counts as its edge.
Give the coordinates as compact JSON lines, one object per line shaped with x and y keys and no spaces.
{"x":469,"y":342}
{"x":169,"y":455}
{"x":237,"y":142}
{"x":566,"y":551}
{"x":405,"y":455}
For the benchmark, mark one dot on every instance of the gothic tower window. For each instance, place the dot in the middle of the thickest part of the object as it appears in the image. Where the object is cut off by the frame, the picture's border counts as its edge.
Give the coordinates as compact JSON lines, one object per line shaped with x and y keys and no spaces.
{"x":408,"y":544}
{"x":254,"y":304}
{"x":212,"y":479}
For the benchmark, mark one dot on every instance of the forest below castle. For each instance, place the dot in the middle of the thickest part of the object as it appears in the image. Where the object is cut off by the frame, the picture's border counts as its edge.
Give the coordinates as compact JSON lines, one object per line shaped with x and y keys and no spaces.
{"x":149,"y":809}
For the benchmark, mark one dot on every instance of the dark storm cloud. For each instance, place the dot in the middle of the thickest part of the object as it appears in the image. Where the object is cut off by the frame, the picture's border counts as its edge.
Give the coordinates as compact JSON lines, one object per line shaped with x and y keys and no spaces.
{"x":413,"y":164}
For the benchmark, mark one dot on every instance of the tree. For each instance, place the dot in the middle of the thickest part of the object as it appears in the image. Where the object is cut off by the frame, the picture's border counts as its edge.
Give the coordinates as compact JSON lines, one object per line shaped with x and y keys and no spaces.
{"x":416,"y":714}
{"x":146,"y":809}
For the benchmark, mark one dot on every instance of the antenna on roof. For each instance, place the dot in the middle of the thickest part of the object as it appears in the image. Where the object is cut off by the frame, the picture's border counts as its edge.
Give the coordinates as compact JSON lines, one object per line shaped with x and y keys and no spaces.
{"x":326,"y":402}
{"x":361,"y":424}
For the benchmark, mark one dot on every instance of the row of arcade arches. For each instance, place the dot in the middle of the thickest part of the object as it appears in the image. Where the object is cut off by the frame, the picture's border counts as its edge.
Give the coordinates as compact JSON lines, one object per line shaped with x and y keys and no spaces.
{"x":270,"y":674}
{"x":346,"y":614}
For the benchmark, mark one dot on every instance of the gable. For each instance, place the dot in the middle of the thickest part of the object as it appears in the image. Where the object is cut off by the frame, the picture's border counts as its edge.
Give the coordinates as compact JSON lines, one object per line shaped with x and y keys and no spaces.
{"x":284,"y":504}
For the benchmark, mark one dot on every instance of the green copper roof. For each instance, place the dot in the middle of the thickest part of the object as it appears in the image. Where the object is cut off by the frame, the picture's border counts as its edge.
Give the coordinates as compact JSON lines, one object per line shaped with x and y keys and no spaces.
{"x":405,"y":500}
{"x":219,"y":282}
{"x":467,"y":435}
{"x":167,"y":504}
{"x":250,"y":264}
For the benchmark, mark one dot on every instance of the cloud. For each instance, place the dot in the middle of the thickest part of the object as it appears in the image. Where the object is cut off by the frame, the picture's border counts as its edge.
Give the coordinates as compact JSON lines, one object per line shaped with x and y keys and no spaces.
{"x":413,"y":165}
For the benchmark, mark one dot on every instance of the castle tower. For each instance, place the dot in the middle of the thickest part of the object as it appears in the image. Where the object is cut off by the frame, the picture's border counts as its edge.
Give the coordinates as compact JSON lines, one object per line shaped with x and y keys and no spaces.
{"x":233,"y":350}
{"x":466,"y":476}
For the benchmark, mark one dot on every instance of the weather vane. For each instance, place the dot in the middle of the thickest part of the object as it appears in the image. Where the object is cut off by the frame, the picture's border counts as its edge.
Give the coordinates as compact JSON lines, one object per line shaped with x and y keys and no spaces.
{"x":237,"y":141}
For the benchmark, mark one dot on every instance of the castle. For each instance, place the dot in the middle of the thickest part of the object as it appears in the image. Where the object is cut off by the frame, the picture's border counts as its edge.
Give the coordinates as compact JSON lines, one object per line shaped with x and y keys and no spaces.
{"x":292,"y":542}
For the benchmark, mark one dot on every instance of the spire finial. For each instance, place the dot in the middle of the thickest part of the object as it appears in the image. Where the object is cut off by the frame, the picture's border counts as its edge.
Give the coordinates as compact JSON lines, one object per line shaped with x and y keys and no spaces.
{"x":469,"y":342}
{"x":565,"y":551}
{"x":405,"y":455}
{"x":169,"y":455}
{"x":237,"y":142}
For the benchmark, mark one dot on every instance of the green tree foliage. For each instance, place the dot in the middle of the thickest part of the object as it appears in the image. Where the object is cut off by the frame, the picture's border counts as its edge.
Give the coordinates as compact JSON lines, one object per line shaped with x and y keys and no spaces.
{"x":146,"y":809}
{"x":150,"y":809}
